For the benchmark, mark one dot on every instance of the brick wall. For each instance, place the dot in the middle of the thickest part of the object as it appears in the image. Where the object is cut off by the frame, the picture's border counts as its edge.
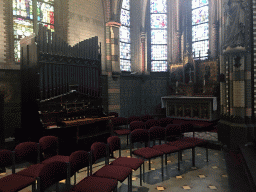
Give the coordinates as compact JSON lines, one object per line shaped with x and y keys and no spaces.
{"x":85,"y":20}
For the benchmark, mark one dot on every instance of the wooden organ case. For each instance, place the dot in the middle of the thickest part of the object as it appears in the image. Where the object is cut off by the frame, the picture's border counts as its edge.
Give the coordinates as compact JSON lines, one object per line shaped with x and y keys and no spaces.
{"x":61,"y":91}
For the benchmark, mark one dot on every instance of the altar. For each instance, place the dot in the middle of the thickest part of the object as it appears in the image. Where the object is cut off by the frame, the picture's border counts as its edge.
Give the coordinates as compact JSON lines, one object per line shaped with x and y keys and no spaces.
{"x":190,"y":107}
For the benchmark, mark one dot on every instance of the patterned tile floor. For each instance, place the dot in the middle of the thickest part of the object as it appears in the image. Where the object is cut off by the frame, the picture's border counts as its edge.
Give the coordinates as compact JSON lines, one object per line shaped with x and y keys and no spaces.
{"x":206,"y":176}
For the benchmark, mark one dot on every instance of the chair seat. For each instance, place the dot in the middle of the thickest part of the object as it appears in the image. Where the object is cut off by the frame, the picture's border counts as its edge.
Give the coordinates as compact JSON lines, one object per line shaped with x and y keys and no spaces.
{"x":31,"y":171}
{"x":15,"y":182}
{"x":61,"y":158}
{"x":182,"y":144}
{"x":165,"y":148}
{"x":194,"y":140}
{"x":93,"y":184}
{"x":133,"y":163}
{"x":122,"y":131}
{"x":114,"y":172}
{"x":147,"y":153}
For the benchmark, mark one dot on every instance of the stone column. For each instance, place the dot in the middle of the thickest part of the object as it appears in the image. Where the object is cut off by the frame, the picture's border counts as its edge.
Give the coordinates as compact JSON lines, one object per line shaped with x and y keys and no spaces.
{"x":143,"y":52}
{"x":113,"y":66}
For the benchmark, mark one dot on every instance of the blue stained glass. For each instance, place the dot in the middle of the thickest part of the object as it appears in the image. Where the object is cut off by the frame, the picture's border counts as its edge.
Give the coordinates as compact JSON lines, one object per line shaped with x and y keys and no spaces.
{"x":158,"y":6}
{"x":158,"y":36}
{"x":200,"y":32}
{"x":202,"y":47}
{"x":23,"y":8}
{"x":199,"y":3}
{"x":126,"y":4}
{"x":125,"y":65}
{"x":124,"y":34}
{"x":200,"y":15}
{"x":125,"y":17}
{"x":125,"y":51}
{"x":159,"y":66}
{"x":159,"y":52}
{"x":159,"y":21}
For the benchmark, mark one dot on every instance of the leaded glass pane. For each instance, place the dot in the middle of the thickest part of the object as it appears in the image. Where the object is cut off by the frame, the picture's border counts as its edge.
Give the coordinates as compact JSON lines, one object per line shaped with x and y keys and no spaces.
{"x":158,"y":36}
{"x":21,"y":28}
{"x":125,"y":51}
{"x":158,"y":6}
{"x":199,"y":3}
{"x":126,"y":4}
{"x":159,"y":52}
{"x":47,"y":1}
{"x":200,"y":32}
{"x":23,"y":8}
{"x":200,"y":15}
{"x":159,"y":66}
{"x":202,"y":47}
{"x":159,"y":21}
{"x":45,"y":13}
{"x":125,"y":17}
{"x":125,"y":65}
{"x":124,"y":34}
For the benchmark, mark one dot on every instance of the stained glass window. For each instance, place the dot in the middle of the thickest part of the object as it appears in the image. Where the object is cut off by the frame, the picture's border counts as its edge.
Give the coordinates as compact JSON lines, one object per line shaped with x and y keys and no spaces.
{"x":124,"y":34}
{"x":23,"y":19}
{"x":158,"y":20}
{"x":200,"y":28}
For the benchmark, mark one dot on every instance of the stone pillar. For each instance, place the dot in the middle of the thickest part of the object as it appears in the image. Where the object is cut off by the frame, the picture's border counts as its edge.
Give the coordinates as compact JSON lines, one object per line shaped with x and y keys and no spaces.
{"x":113,"y":66}
{"x":143,"y":52}
{"x":215,"y":40}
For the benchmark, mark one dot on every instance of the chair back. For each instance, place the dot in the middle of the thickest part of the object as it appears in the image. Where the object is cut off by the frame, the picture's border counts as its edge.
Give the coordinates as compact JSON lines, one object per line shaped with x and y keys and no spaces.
{"x":51,"y":173}
{"x":137,"y":125}
{"x":99,"y":150}
{"x":144,"y":118}
{"x":113,"y":114}
{"x":172,"y":130}
{"x":133,"y":118}
{"x":7,"y":158}
{"x":117,"y":121}
{"x":151,"y":123}
{"x":156,"y":132}
{"x":139,"y":135}
{"x":49,"y":146}
{"x":165,"y":121}
{"x":186,"y":127}
{"x":177,"y":121}
{"x":114,"y":144}
{"x":27,"y":151}
{"x":78,"y":160}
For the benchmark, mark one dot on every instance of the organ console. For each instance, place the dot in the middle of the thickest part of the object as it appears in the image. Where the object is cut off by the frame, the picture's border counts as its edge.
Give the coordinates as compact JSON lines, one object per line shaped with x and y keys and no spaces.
{"x":61,"y":91}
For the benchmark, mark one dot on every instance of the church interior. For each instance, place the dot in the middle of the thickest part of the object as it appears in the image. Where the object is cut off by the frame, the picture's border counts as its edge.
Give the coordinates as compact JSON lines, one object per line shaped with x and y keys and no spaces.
{"x":127,"y":95}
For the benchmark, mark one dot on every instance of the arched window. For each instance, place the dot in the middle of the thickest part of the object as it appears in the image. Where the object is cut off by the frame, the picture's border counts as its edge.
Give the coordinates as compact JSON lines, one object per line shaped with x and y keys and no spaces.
{"x":125,"y":40}
{"x":158,"y":20}
{"x":200,"y":28}
{"x":23,"y":19}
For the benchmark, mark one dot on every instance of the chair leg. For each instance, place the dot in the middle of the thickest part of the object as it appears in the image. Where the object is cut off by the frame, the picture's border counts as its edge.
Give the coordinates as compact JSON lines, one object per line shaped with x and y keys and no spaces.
{"x":181,"y":155}
{"x":165,"y":159}
{"x":162,"y":159}
{"x":149,"y":166}
{"x":193,"y":156}
{"x":34,"y":187}
{"x":143,"y":172}
{"x":140,"y":177}
{"x":131,"y":182}
{"x":115,"y":190}
{"x":74,"y":179}
{"x":127,"y":139}
{"x":57,"y":187}
{"x":178,"y":160}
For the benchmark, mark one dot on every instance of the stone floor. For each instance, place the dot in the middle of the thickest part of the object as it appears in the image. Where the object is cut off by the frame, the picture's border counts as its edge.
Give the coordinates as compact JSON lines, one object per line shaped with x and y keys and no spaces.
{"x":206,"y":176}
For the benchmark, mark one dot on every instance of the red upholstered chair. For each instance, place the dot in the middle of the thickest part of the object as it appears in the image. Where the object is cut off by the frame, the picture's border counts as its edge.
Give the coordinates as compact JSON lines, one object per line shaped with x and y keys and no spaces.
{"x":13,"y":182}
{"x":89,"y":183}
{"x":165,"y":121}
{"x":113,"y":114}
{"x":142,"y":136}
{"x":137,"y":125}
{"x":133,"y":163}
{"x":49,"y":147}
{"x":29,"y":151}
{"x":158,"y":132}
{"x":118,"y":121}
{"x":173,"y":131}
{"x":144,"y":118}
{"x":133,"y":118}
{"x":151,"y":123}
{"x":120,"y":173}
